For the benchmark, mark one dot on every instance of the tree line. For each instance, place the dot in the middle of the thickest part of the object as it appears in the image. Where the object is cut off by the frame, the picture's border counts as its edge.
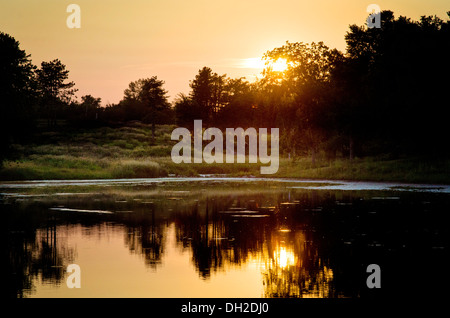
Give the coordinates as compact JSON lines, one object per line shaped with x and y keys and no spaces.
{"x":387,"y":94}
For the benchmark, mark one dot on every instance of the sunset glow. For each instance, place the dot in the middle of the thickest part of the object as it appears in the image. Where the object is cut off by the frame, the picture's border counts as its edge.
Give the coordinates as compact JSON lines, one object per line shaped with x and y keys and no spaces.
{"x":225,"y":155}
{"x":253,"y":62}
{"x":279,"y":65}
{"x":174,"y":39}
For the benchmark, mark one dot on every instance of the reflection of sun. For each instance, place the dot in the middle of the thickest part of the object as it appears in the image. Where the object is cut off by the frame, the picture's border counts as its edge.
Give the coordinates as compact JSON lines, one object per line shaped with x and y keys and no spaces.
{"x":284,"y":258}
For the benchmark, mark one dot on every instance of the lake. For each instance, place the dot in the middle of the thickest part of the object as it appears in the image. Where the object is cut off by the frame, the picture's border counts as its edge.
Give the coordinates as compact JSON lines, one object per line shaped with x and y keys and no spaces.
{"x":223,"y":237}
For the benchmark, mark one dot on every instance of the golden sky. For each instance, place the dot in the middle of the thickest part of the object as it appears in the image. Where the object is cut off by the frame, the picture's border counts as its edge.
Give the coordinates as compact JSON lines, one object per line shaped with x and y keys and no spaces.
{"x":122,"y":41}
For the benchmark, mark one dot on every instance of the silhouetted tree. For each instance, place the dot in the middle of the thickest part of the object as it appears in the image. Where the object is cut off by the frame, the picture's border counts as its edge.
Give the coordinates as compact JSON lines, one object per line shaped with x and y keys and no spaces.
{"x":17,"y":87}
{"x":54,"y":91}
{"x":305,"y":85}
{"x":208,"y":92}
{"x":238,"y":104}
{"x":187,"y":110}
{"x":398,"y":70}
{"x":148,"y":95}
{"x":90,"y":105}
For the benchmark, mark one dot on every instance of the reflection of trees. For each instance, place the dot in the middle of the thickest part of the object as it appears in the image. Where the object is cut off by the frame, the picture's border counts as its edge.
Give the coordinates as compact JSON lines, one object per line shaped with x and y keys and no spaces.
{"x":34,"y":247}
{"x":283,"y":243}
{"x":16,"y":258}
{"x":217,"y":240}
{"x":48,"y":262}
{"x":294,"y":268}
{"x":33,"y":251}
{"x":205,"y":235}
{"x":312,"y":244}
{"x":145,"y":236}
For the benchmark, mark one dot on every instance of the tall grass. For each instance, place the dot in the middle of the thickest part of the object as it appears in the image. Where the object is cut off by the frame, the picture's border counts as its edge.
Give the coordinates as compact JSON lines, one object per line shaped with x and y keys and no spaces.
{"x":130,"y":152}
{"x":136,"y":169}
{"x":68,"y":167}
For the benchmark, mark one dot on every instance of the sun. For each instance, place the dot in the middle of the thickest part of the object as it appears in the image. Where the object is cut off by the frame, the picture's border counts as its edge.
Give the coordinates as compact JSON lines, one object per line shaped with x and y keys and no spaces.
{"x":280,"y":65}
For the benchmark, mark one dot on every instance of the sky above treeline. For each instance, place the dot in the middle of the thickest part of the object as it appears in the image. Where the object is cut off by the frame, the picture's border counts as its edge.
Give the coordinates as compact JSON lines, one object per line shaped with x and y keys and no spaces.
{"x":122,"y":41}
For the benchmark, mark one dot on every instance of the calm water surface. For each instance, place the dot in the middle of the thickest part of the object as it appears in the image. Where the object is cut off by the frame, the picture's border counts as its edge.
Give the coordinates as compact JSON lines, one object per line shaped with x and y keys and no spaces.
{"x":223,"y":238}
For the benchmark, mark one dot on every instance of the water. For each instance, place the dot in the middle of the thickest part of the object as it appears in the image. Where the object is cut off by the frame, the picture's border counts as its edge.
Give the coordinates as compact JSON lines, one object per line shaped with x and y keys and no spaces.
{"x":223,"y":237}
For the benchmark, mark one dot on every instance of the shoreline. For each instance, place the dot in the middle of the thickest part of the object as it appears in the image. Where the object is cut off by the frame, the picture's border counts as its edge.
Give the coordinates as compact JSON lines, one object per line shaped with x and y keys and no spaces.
{"x":369,"y":169}
{"x":312,"y":184}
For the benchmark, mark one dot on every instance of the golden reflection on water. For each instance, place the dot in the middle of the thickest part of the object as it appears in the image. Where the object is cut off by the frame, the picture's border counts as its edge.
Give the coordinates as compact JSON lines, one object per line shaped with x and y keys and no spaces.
{"x":236,"y":245}
{"x":170,"y":248}
{"x":119,"y":261}
{"x":284,"y":258}
{"x":294,"y":268}
{"x":112,"y":265}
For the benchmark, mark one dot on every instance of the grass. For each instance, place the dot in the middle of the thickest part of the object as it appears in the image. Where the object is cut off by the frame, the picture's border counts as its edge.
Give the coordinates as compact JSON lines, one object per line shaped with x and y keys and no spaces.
{"x":129,"y":152}
{"x":410,"y":170}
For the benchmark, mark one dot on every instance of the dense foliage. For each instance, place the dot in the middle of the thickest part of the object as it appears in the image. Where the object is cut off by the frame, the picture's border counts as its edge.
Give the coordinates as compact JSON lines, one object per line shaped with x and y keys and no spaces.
{"x":387,"y":94}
